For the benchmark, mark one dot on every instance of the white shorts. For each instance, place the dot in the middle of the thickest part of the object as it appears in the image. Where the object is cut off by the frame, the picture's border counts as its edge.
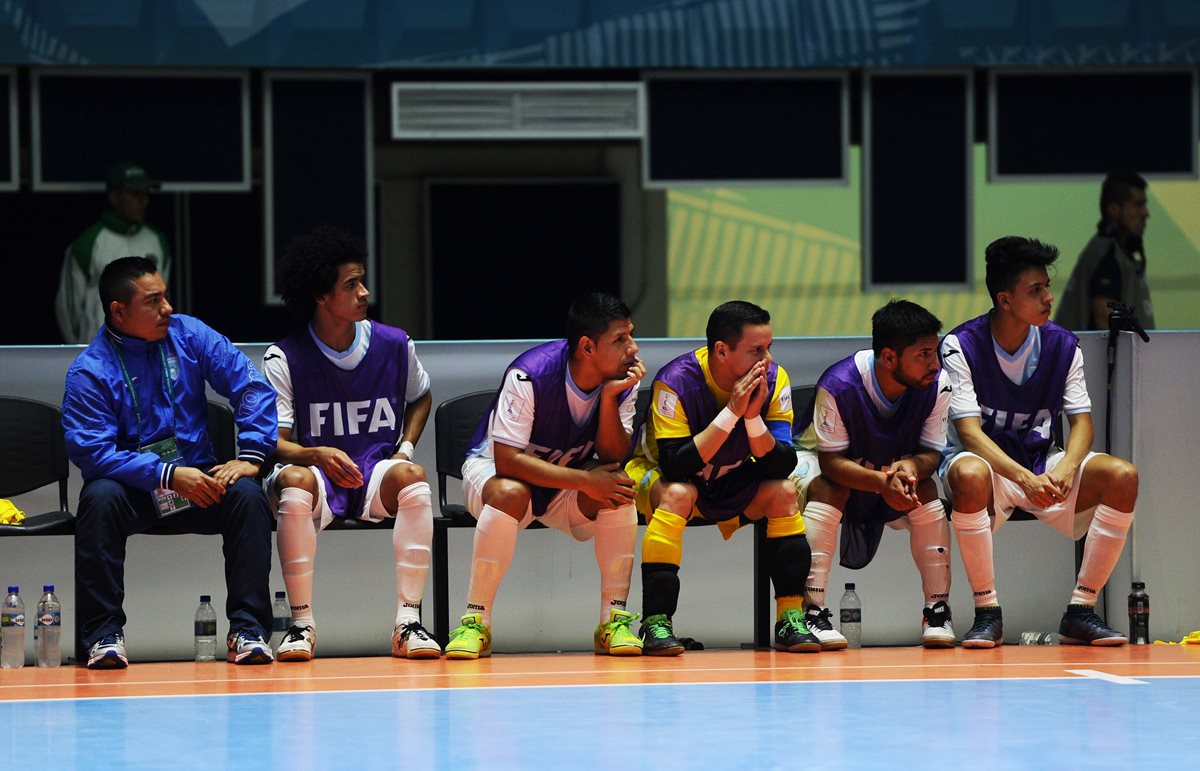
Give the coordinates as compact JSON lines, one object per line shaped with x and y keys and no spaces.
{"x":373,"y":509}
{"x":808,"y":468}
{"x":561,"y":514}
{"x":1008,"y":495}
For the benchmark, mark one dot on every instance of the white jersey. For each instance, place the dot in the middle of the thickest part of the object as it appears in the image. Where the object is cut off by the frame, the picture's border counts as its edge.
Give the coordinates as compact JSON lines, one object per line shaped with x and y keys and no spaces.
{"x":512,"y":421}
{"x":829,"y":432}
{"x":275,"y":368}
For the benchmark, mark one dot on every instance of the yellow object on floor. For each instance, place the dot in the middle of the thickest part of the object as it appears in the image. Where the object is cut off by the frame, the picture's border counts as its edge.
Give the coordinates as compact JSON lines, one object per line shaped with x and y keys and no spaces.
{"x":10,"y":514}
{"x":1191,"y":638}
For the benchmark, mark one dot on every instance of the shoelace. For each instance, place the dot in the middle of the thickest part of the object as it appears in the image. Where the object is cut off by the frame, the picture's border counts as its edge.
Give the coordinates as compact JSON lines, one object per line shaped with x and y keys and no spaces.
{"x":935,"y":616}
{"x":414,"y":629}
{"x":660,"y":630}
{"x":475,"y":626}
{"x":295,"y":634}
{"x":819,"y":619}
{"x":982,"y":622}
{"x":110,"y":639}
{"x":794,"y":620}
{"x":624,"y":621}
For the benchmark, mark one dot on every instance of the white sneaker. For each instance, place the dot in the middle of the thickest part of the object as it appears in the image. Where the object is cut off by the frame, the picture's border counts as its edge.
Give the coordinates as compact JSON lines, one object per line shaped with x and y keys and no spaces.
{"x":817,"y":621}
{"x":410,"y":640}
{"x":298,"y":644}
{"x":247,"y":648}
{"x":936,"y":631}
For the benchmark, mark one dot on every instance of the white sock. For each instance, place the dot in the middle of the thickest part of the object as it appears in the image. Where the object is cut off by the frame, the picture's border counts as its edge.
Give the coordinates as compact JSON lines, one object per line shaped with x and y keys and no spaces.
{"x":974,"y":532}
{"x":297,"y":543}
{"x":411,"y":540}
{"x":1105,"y":540}
{"x":495,"y":542}
{"x":929,"y":541}
{"x":821,"y":528}
{"x":616,"y":532}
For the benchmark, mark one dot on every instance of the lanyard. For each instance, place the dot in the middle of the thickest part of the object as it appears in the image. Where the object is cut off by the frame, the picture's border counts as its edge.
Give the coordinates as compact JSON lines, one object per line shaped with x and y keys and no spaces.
{"x":137,"y":411}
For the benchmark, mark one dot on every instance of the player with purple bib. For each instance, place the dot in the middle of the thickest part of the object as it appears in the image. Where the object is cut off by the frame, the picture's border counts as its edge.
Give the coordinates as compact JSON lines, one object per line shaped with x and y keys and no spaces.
{"x":717,"y":444}
{"x":550,"y":448}
{"x":353,"y":399}
{"x":1013,"y":373}
{"x":873,"y":438}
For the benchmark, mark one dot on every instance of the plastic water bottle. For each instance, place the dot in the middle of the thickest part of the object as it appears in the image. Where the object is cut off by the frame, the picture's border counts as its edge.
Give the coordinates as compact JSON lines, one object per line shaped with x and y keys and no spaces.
{"x":1039,"y":638}
{"x":851,"y":615}
{"x":281,"y":619}
{"x":1139,"y":614}
{"x":47,"y":634}
{"x":12,"y":630}
{"x":206,"y":630}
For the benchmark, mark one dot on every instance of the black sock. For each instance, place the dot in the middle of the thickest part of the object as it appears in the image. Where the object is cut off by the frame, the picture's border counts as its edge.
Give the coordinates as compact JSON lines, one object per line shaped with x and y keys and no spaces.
{"x":660,"y":589}
{"x":789,"y":558}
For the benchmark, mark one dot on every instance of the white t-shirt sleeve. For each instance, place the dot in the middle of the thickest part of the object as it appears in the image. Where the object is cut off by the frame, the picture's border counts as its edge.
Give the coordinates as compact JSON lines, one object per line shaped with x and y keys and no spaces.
{"x":628,"y":410}
{"x":1075,"y":396}
{"x":963,"y":402}
{"x":832,"y":435}
{"x":512,"y":423}
{"x":275,"y":369}
{"x":933,"y":432}
{"x":418,"y":379}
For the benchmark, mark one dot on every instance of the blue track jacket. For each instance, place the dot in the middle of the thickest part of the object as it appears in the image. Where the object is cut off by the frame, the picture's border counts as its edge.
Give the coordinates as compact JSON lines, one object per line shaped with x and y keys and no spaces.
{"x":102,"y":431}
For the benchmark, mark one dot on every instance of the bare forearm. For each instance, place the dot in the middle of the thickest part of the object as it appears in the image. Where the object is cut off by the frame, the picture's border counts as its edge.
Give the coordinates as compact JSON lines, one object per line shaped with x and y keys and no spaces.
{"x":516,"y":464}
{"x":612,"y":441}
{"x":845,"y":472}
{"x":416,"y":415}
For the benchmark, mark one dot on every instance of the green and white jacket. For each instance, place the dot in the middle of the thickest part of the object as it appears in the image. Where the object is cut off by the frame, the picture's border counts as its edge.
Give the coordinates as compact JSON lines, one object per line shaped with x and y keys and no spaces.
{"x":77,"y":304}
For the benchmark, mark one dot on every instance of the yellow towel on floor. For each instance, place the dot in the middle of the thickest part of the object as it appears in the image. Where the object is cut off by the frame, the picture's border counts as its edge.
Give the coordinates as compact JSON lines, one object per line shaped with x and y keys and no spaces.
{"x":1192,"y":638}
{"x":10,"y":514}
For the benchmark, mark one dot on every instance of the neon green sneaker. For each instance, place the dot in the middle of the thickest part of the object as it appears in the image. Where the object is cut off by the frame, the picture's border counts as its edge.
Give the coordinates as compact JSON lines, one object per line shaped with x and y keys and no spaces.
{"x":614,"y":636}
{"x":472,"y":639}
{"x":658,"y":637}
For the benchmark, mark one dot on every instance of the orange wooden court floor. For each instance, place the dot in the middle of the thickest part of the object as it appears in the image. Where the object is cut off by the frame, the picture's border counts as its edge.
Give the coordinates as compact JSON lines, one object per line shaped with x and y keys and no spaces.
{"x":508,"y":670}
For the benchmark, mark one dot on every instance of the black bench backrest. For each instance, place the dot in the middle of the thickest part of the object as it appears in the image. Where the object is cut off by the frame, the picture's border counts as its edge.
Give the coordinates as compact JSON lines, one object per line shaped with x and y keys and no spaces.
{"x":454,"y":422}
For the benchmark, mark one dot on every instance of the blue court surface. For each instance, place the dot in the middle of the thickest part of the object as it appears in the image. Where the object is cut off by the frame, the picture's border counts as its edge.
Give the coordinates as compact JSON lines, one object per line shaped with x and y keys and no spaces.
{"x":1060,"y":723}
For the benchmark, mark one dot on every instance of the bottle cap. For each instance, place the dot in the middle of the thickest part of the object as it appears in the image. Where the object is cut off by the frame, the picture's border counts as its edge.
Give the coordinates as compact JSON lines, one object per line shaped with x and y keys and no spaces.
{"x":48,"y":588}
{"x":205,"y":598}
{"x":280,"y":595}
{"x":1139,"y":584}
{"x":850,"y":585}
{"x":14,"y":590}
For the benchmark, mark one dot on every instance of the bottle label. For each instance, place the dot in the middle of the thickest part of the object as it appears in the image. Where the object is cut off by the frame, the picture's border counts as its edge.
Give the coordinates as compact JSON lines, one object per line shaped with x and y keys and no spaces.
{"x":206,"y":628}
{"x":851,"y":615}
{"x":8,"y":618}
{"x":49,"y":618}
{"x":280,"y":624}
{"x":1139,"y":606}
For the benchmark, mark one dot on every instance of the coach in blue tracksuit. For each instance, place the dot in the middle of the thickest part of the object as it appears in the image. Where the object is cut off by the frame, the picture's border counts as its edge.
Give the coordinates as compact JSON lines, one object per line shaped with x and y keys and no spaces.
{"x":135,"y":415}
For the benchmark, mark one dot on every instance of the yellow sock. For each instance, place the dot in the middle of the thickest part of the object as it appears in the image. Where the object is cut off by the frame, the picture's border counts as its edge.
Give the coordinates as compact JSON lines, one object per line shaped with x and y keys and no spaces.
{"x":784,"y":604}
{"x":663,"y":541}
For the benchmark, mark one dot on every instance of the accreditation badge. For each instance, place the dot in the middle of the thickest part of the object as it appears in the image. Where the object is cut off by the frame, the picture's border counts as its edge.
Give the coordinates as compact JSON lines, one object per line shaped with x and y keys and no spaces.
{"x":166,"y":502}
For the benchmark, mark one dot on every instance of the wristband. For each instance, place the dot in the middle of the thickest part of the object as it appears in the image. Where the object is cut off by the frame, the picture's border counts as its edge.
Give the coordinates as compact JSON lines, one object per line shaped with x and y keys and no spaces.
{"x":725,"y":420}
{"x":755,"y":427}
{"x":406,"y":448}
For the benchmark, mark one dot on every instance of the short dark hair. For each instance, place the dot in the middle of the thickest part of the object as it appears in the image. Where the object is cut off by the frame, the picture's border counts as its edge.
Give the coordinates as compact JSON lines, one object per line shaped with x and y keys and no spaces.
{"x":727,"y":321}
{"x":591,"y":313}
{"x":901,"y":323}
{"x":1010,"y":256}
{"x":116,"y":280}
{"x":309,"y":266}
{"x":1118,"y":188}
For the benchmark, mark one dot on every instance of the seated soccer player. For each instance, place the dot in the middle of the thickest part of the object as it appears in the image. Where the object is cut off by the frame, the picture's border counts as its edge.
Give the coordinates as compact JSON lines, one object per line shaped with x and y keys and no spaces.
{"x":873,"y":440}
{"x":1014,"y":372}
{"x":718,"y":444}
{"x":353,"y":400}
{"x":551,"y":448}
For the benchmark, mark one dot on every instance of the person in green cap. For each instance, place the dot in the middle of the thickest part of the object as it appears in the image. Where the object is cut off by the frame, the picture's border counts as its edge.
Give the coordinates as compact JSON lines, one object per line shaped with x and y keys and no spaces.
{"x":121,"y":232}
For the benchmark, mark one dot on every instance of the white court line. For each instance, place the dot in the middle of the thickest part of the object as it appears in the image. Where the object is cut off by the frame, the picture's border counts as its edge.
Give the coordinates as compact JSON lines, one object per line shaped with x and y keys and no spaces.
{"x":1098,"y":675}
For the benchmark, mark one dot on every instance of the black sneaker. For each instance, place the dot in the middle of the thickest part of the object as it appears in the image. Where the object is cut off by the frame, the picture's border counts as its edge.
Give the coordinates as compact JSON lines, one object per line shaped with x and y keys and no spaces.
{"x":658,"y":638}
{"x":792,"y":635}
{"x":1081,"y":626}
{"x":988,"y":629}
